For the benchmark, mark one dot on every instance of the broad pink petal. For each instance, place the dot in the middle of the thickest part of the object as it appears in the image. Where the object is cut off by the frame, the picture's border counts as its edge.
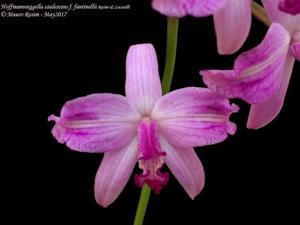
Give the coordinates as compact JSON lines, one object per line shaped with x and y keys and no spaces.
{"x":114,"y":172}
{"x":295,"y":50}
{"x":290,"y":22}
{"x":290,"y":6}
{"x":199,"y":8}
{"x":143,"y":85}
{"x":96,"y":123}
{"x":263,"y":113}
{"x":172,"y":8}
{"x":256,"y":72}
{"x":192,"y":117}
{"x":232,"y":25}
{"x":186,"y":167}
{"x":180,"y":8}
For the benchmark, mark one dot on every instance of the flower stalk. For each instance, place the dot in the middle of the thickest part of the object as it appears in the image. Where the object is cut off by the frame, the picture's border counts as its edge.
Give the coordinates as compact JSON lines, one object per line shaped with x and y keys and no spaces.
{"x":172,"y":34}
{"x":142,"y":206}
{"x":259,"y":12}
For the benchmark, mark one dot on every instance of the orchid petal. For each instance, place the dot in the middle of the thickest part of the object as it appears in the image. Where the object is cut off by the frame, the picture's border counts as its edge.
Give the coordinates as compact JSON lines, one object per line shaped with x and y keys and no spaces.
{"x":199,"y":8}
{"x":172,"y":8}
{"x":290,"y":22}
{"x":256,"y":72}
{"x":143,"y":86}
{"x":96,"y":123}
{"x":232,"y":25}
{"x":263,"y":113}
{"x":114,"y":172}
{"x":192,"y":117}
{"x":180,"y":8}
{"x":186,"y":167}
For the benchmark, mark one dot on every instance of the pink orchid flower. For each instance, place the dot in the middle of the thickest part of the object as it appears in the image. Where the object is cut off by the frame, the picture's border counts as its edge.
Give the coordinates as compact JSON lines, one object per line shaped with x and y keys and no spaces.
{"x":261,"y":75}
{"x":232,"y":18}
{"x":145,"y":127}
{"x":290,"y":6}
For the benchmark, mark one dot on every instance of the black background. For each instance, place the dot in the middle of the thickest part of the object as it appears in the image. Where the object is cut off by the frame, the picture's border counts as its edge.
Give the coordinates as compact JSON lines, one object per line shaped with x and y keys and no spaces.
{"x":251,"y":177}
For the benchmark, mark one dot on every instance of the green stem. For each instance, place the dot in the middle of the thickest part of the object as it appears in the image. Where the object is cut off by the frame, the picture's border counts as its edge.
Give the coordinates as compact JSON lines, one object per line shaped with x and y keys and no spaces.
{"x":172,"y":32}
{"x":142,"y":206}
{"x":260,"y":13}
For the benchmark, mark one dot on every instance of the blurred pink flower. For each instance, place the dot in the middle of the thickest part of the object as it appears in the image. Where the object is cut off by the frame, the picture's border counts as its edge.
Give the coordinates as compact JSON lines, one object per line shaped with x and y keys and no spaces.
{"x":261,"y":75}
{"x":232,"y":18}
{"x":145,"y":127}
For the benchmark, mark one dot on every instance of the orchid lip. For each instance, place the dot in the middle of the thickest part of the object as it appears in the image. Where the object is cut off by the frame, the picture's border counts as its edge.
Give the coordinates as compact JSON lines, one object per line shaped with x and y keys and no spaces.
{"x":150,"y":157}
{"x":290,"y":6}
